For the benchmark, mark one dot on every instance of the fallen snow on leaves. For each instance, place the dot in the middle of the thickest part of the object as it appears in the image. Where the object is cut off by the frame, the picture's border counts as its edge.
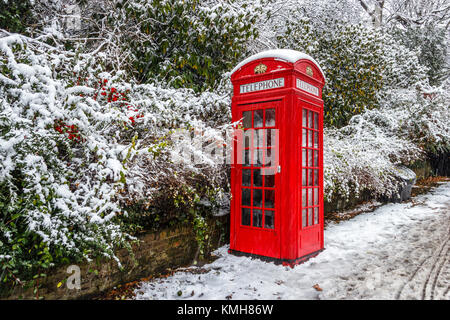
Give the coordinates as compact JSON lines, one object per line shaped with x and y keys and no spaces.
{"x":398,"y":251}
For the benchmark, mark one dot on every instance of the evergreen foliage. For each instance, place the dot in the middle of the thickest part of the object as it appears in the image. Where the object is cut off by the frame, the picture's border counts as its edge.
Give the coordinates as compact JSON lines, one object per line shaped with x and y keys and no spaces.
{"x":15,"y":14}
{"x":188,"y":43}
{"x":352,"y":59}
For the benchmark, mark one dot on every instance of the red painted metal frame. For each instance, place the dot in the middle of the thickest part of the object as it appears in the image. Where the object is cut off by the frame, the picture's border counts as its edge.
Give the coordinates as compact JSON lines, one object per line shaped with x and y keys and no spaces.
{"x":295,"y":242}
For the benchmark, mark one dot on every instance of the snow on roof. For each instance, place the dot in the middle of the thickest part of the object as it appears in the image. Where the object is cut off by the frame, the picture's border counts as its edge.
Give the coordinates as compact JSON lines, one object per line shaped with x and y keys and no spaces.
{"x":282,"y":54}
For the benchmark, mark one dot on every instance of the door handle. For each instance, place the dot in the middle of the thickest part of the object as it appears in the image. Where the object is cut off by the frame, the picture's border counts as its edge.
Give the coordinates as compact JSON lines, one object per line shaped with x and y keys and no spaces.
{"x":279,"y":169}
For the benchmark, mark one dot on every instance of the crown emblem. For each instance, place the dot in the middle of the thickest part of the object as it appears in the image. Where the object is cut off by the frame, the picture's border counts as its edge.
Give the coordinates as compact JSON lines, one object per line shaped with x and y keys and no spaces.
{"x":260,"y":68}
{"x":309,"y":71}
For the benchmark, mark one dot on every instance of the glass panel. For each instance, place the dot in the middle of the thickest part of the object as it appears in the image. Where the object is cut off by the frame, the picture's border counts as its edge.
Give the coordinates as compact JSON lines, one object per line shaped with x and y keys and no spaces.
{"x":247,"y":121}
{"x":304,"y":177}
{"x":310,"y":160}
{"x":269,"y":219}
{"x":257,"y":197}
{"x":257,"y":158}
{"x":310,"y":123}
{"x":246,"y":177}
{"x":310,"y":177}
{"x":316,"y":215}
{"x":257,"y":218}
{"x":247,"y":158}
{"x":304,"y":203}
{"x":316,"y":196}
{"x":310,"y":138}
{"x":257,"y":178}
{"x":269,"y":198}
{"x":310,"y":217}
{"x":267,"y":157}
{"x":269,"y":180}
{"x":310,"y":197}
{"x":304,"y":213}
{"x":305,"y":118}
{"x":304,"y":158}
{"x":245,"y":217}
{"x":247,"y":138}
{"x":316,"y":140}
{"x":316,"y":177}
{"x":271,"y":137}
{"x":270,"y":118}
{"x":258,"y":121}
{"x":258,"y":138}
{"x":316,"y":121}
{"x":246,"y":197}
{"x":304,"y":138}
{"x":316,"y":158}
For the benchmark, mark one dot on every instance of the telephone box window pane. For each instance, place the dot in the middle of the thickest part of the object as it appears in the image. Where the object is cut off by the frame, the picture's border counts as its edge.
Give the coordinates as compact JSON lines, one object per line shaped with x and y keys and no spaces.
{"x":245,"y":217}
{"x":305,"y":118}
{"x":257,"y":197}
{"x":316,"y":140}
{"x":304,"y":174}
{"x":304,"y":214}
{"x":258,"y":121}
{"x":258,"y":138}
{"x":247,"y":138}
{"x":310,"y":216}
{"x":304,"y":158}
{"x":310,"y":177}
{"x":257,"y":218}
{"x":310,"y":197}
{"x":269,"y":180}
{"x":268,"y":157}
{"x":316,"y":158}
{"x":310,"y":160}
{"x":270,"y":137}
{"x":310,"y":138}
{"x":257,"y":158}
{"x":269,"y":199}
{"x":316,"y":196}
{"x":316,"y":121}
{"x":269,"y":221}
{"x":304,"y":203}
{"x":316,"y":177}
{"x":246,"y":158}
{"x":247,"y":121}
{"x":316,"y":215}
{"x":257,"y":178}
{"x":304,"y":138}
{"x":246,"y":197}
{"x":246,"y":177}
{"x":270,"y":118}
{"x":310,"y":123}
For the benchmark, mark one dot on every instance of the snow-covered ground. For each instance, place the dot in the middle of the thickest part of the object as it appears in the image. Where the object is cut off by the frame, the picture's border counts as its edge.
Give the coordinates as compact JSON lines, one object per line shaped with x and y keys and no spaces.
{"x":398,"y":251}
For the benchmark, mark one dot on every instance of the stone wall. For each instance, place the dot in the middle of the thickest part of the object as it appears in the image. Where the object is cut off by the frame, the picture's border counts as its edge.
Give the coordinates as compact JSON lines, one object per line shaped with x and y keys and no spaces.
{"x":422,"y":169}
{"x":155,"y":253}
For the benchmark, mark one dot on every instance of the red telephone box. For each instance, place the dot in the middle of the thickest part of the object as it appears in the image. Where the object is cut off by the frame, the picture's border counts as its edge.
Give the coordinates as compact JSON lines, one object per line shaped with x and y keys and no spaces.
{"x":277,"y":161}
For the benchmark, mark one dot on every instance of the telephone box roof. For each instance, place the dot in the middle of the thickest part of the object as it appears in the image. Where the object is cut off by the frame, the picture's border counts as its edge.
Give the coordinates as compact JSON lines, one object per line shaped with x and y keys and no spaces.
{"x":283,"y":54}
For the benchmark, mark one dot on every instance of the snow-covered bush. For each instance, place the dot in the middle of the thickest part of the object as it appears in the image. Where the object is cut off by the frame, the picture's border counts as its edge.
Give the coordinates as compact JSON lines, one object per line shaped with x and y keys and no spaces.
{"x":188,"y":43}
{"x":431,"y":42}
{"x":352,"y":59}
{"x":363,"y":156}
{"x":80,"y":147}
{"x":57,"y":194}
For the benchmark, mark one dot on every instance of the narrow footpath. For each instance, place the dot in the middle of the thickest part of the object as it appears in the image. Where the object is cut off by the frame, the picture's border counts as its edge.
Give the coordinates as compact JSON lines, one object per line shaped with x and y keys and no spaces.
{"x":398,"y":251}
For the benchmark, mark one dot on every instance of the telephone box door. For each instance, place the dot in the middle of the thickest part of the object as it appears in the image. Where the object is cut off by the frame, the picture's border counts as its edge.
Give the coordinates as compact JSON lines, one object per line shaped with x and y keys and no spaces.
{"x":257,"y":223}
{"x":311,"y":238}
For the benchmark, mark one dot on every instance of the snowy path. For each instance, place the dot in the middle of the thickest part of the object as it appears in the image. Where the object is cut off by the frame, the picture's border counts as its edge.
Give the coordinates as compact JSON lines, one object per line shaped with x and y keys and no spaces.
{"x":399,"y":251}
